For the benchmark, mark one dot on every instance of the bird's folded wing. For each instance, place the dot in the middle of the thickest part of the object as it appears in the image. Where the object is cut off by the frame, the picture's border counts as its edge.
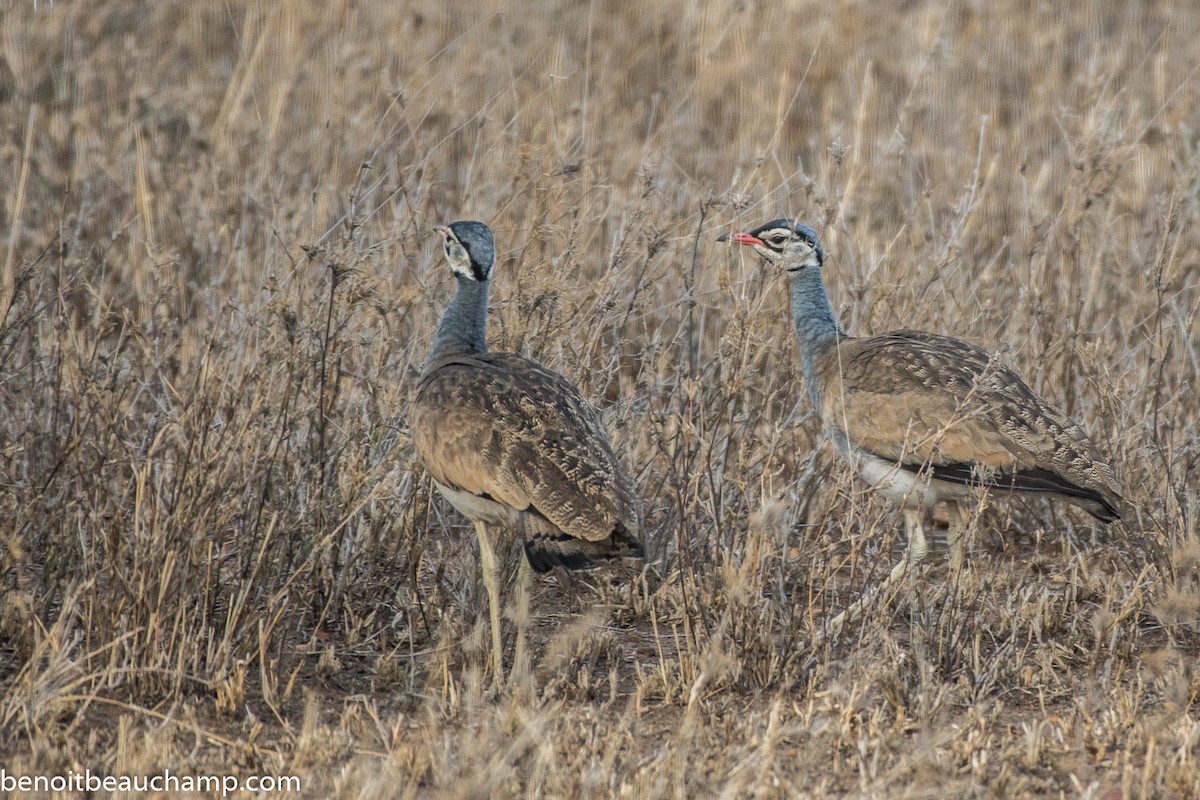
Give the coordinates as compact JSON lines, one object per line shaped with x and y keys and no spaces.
{"x":504,"y":425}
{"x":916,"y":398}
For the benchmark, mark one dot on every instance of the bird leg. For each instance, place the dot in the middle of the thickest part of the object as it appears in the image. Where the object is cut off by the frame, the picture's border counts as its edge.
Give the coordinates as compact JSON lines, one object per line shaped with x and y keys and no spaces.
{"x":917,"y":546}
{"x":491,"y":581}
{"x":955,"y":536}
{"x":914,"y":554}
{"x":521,"y":617}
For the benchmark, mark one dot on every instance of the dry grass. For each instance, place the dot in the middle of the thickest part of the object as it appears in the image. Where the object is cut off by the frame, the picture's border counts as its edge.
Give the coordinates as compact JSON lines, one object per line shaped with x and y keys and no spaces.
{"x":218,"y":281}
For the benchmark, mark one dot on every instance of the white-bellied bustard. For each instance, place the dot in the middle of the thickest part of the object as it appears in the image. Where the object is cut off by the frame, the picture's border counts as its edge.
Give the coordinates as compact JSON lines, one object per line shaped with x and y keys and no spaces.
{"x":513,"y":445}
{"x":927,"y":417}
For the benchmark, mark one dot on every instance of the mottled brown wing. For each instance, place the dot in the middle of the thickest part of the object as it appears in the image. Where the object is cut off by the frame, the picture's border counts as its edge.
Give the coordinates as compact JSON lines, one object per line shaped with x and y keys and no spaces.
{"x":502,"y":425}
{"x":917,"y":397}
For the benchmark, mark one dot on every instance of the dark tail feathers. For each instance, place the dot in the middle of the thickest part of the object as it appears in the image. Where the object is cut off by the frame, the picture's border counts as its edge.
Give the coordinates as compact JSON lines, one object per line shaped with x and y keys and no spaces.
{"x":547,"y":547}
{"x":1034,"y":480}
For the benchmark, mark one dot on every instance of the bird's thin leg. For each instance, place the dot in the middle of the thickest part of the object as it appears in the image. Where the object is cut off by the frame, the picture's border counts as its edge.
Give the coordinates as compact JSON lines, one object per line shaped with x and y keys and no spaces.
{"x":914,"y":554}
{"x":521,"y":617}
{"x":491,"y":582}
{"x":917,"y":546}
{"x":956,"y":537}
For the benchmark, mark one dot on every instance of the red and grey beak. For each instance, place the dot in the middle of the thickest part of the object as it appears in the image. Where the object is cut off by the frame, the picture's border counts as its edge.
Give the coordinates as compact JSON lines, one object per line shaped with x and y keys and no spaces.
{"x":740,"y":238}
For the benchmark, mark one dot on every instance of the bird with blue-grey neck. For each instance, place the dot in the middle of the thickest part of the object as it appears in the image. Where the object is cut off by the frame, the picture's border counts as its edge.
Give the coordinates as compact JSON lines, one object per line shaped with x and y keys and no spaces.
{"x":514,"y":446}
{"x":925,"y":417}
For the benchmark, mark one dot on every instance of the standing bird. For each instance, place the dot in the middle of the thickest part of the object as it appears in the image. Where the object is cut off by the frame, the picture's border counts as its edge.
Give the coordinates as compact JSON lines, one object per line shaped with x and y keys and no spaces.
{"x":513,"y":445}
{"x":927,"y":417}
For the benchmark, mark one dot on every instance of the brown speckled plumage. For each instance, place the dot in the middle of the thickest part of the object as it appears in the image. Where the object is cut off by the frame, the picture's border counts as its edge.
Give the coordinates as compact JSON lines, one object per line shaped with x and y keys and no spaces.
{"x":923,"y":400}
{"x":500,"y":425}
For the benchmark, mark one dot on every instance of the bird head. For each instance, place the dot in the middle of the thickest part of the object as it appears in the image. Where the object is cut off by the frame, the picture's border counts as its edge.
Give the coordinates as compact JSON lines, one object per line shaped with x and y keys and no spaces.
{"x":469,"y":248}
{"x":789,"y":245}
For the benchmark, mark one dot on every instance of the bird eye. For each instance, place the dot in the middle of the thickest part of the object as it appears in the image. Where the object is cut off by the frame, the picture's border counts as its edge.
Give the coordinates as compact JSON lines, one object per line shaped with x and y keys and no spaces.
{"x":778,"y":238}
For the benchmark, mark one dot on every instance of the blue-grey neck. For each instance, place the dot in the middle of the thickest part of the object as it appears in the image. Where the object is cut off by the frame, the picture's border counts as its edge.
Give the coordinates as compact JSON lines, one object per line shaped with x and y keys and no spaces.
{"x":816,"y":325}
{"x":463,"y":328}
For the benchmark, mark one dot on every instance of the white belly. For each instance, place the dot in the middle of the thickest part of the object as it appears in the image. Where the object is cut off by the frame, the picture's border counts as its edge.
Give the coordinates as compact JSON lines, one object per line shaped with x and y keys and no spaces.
{"x":907,"y":489}
{"x":480,"y":509}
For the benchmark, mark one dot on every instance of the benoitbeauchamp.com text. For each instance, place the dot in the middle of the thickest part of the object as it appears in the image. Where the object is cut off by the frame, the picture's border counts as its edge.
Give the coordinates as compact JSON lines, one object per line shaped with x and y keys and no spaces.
{"x":87,"y":781}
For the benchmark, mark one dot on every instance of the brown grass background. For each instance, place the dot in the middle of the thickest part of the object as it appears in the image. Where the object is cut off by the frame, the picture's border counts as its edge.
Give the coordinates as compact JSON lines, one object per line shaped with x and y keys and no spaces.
{"x":218,"y":282}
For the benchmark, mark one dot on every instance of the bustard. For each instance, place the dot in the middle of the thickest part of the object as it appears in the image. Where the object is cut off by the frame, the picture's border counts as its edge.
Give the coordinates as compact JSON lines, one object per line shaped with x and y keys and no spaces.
{"x":513,"y":445}
{"x":927,"y":417}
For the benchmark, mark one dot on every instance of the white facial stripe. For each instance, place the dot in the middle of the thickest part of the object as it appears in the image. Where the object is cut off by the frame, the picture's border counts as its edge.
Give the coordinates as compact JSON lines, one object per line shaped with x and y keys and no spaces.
{"x":456,"y":254}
